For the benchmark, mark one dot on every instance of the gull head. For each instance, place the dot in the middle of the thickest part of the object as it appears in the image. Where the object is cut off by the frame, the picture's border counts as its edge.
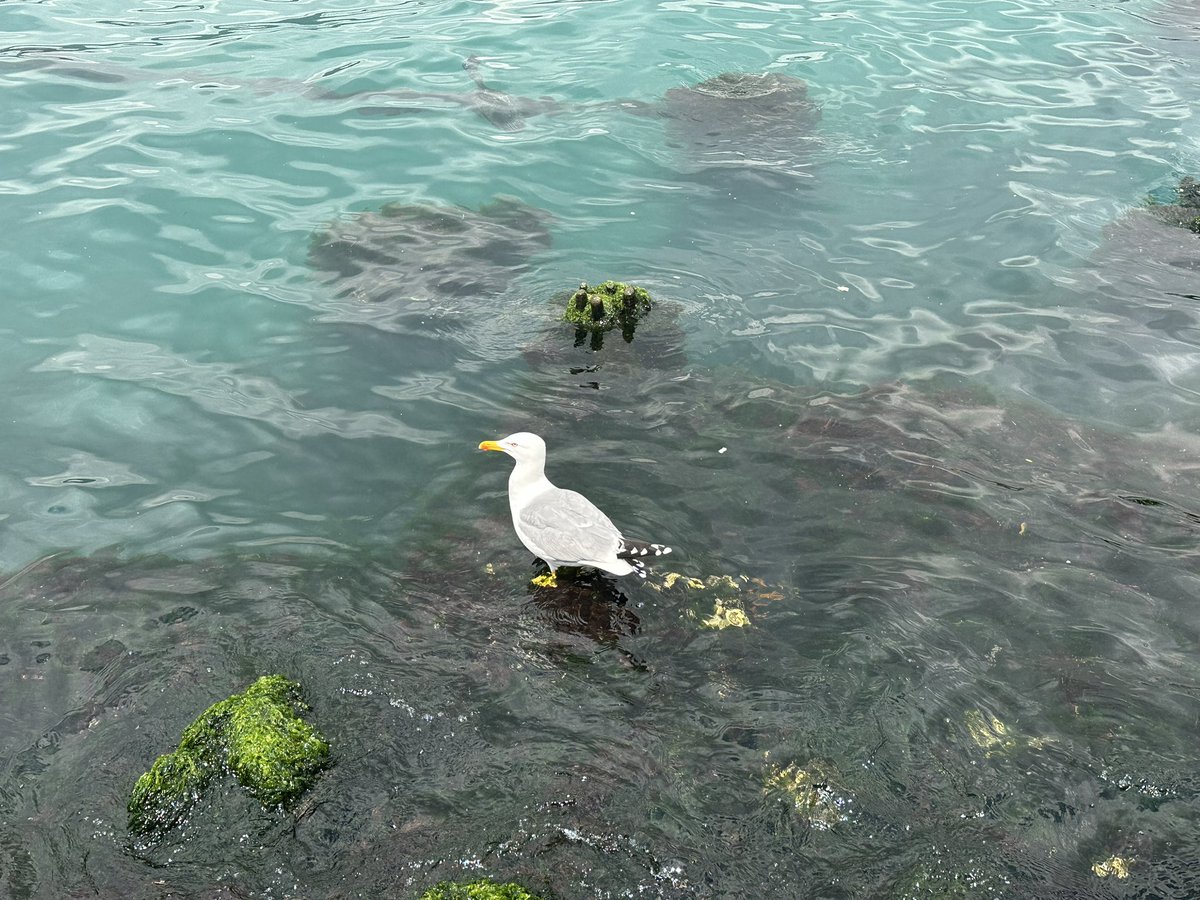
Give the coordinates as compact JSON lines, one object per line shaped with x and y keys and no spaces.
{"x":522,"y":446}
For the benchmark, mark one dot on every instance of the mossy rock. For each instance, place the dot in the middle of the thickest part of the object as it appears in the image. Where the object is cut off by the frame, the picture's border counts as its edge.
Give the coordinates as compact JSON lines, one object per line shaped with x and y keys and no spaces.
{"x":256,"y":736}
{"x":606,"y":306}
{"x":166,"y":793}
{"x":478,"y":890}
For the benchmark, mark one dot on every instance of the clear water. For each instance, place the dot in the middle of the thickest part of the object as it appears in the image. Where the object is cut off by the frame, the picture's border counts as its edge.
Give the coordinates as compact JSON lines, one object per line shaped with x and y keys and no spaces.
{"x":923,"y":373}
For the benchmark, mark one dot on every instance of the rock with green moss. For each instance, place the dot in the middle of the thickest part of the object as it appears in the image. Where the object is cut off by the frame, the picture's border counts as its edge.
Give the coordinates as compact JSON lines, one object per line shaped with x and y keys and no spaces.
{"x":256,"y":736}
{"x":608,"y":305}
{"x":166,"y":793}
{"x":478,"y":890}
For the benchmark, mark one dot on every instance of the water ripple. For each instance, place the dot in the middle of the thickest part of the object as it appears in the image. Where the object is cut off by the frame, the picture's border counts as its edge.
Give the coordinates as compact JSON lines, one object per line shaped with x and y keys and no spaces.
{"x":222,"y":389}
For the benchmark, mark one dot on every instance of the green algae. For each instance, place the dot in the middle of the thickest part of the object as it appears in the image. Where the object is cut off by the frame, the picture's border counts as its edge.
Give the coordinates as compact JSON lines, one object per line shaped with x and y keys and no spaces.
{"x":606,"y":306}
{"x":256,"y":736}
{"x":478,"y":890}
{"x":273,"y":753}
{"x":995,"y":736}
{"x":166,"y":793}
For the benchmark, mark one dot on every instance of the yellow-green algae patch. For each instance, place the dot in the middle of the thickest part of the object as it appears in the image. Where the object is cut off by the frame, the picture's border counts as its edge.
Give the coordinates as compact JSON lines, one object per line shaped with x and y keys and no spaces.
{"x":672,"y":578}
{"x":256,"y":736}
{"x":1115,"y":866}
{"x":723,"y":586}
{"x":726,"y":617}
{"x":812,"y":792}
{"x":478,"y":890}
{"x":607,"y":305}
{"x":728,"y":608}
{"x":995,"y":736}
{"x":988,"y":732}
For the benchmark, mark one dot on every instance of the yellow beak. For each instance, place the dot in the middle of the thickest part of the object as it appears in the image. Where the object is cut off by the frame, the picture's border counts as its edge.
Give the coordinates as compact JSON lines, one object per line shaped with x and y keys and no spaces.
{"x":490,"y":445}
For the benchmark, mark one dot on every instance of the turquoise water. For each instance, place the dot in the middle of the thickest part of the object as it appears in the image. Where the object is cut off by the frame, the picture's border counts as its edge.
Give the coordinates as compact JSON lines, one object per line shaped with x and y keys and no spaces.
{"x":922,"y":380}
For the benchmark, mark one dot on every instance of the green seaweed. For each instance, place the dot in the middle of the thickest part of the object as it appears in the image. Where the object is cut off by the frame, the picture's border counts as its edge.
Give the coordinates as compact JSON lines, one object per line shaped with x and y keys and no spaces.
{"x":272,"y":752}
{"x":484,"y":889}
{"x":606,"y":306}
{"x":256,"y":736}
{"x":166,"y":793}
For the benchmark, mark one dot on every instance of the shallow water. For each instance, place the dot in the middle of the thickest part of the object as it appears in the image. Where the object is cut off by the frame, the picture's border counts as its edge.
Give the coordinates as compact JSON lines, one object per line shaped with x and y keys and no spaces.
{"x":922,"y":381}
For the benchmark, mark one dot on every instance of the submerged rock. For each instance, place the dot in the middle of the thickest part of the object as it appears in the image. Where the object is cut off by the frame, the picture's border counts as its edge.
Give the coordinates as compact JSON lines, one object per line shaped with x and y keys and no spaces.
{"x":256,"y":736}
{"x":408,"y":251}
{"x":503,"y":110}
{"x":995,"y":736}
{"x":729,"y":601}
{"x":741,"y":119}
{"x":1185,"y":211}
{"x":812,"y":792}
{"x":941,"y":877}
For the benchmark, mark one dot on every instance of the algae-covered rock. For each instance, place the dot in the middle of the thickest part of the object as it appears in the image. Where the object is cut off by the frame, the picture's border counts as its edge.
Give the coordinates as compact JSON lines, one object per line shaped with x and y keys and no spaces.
{"x":478,"y":890}
{"x":726,"y":617}
{"x":995,"y":736}
{"x":166,"y":793}
{"x":1114,"y":866}
{"x":606,"y":306}
{"x":988,"y":732}
{"x":272,"y":752}
{"x":730,"y":596}
{"x":812,"y":791}
{"x":256,"y":736}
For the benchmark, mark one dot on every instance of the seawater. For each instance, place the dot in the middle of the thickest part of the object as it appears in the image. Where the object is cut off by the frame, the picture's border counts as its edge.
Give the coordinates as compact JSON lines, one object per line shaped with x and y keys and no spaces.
{"x":919,"y":398}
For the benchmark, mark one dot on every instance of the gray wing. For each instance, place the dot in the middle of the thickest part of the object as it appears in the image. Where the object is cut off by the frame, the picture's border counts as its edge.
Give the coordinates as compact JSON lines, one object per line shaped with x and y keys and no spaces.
{"x":566,"y":527}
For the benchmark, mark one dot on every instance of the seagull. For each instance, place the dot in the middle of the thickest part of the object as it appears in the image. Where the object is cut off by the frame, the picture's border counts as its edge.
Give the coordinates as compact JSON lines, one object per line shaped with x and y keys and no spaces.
{"x":560,"y":527}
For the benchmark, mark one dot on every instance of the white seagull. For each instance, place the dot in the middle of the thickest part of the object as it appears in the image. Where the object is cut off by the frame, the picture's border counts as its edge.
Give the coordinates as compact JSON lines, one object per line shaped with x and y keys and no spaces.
{"x":563,"y":528}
